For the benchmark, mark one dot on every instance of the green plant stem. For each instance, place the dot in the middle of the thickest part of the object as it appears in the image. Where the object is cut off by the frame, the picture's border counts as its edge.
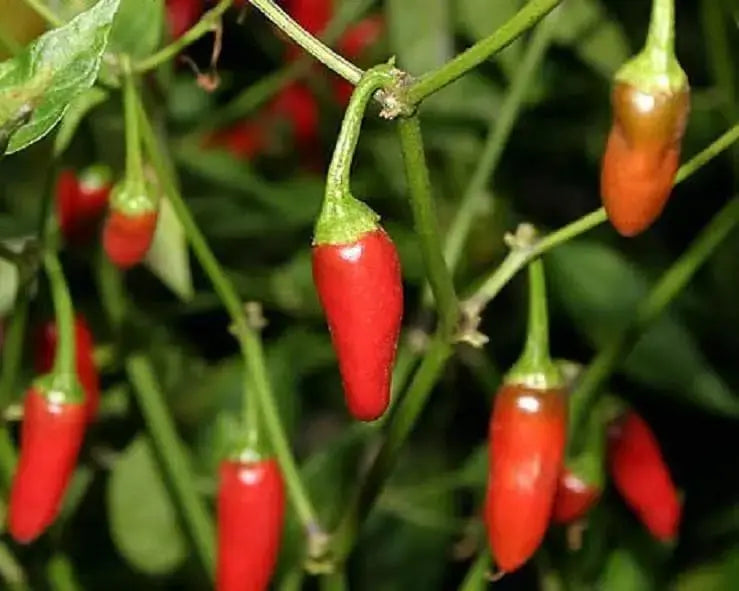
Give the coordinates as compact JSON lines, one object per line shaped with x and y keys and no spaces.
{"x":60,"y":574}
{"x":316,"y":48}
{"x":44,"y":12}
{"x":207,"y":23}
{"x":672,"y":282}
{"x":12,"y":350}
{"x":335,"y":581}
{"x":517,"y":258}
{"x":404,"y":416}
{"x":64,"y":358}
{"x":339,"y":170}
{"x":661,"y":32}
{"x":535,"y":367}
{"x":476,"y":578}
{"x":249,"y":341}
{"x":523,"y":20}
{"x":426,"y":224}
{"x":501,"y":125}
{"x":134,"y":160}
{"x":11,"y":570}
{"x":173,"y":459}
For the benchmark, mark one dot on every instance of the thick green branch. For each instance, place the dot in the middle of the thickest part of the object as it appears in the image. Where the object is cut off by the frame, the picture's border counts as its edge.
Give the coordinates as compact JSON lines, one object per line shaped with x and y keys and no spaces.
{"x":427,"y":227}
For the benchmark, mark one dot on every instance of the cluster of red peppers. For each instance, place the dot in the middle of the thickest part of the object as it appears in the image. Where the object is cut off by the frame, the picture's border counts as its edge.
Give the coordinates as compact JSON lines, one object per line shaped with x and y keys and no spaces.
{"x":536,"y":477}
{"x":651,"y":101}
{"x":57,"y":408}
{"x":296,"y":104}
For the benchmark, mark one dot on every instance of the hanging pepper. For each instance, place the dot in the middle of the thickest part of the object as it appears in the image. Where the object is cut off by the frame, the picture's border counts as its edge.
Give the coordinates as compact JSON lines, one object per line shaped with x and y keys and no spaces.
{"x":527,"y":440}
{"x":251,"y":508}
{"x":357,"y":273}
{"x":642,"y":477}
{"x":81,"y":201}
{"x":651,"y":101}
{"x":54,"y":420}
{"x":582,"y":478}
{"x":87,"y":373}
{"x":129,"y":229}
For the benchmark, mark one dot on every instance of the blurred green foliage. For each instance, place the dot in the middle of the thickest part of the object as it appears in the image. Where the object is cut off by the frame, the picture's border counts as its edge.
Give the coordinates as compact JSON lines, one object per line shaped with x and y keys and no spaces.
{"x":258,"y":216}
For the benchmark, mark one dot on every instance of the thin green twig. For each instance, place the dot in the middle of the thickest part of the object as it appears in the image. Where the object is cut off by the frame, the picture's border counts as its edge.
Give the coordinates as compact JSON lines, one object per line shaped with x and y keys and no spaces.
{"x":207,"y":23}
{"x":522,"y":21}
{"x":316,"y":48}
{"x":174,"y":462}
{"x":44,"y":12}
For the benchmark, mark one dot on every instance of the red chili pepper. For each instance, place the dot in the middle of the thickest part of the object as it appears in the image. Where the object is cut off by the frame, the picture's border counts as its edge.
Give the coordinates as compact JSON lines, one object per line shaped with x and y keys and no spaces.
{"x":527,"y":439}
{"x":642,"y":155}
{"x":574,"y":498}
{"x":642,"y":477}
{"x":251,"y":508}
{"x":298,"y":105}
{"x":51,"y":436}
{"x":360,"y":287}
{"x":243,"y":140}
{"x":127,"y":238}
{"x":81,"y":201}
{"x":84,"y":346}
{"x":355,"y":42}
{"x":182,"y":15}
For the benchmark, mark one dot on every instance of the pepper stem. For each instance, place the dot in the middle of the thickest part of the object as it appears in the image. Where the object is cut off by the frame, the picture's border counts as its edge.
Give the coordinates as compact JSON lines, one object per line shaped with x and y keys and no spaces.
{"x":655,"y":68}
{"x":535,"y":367}
{"x":343,"y":218}
{"x":64,"y":371}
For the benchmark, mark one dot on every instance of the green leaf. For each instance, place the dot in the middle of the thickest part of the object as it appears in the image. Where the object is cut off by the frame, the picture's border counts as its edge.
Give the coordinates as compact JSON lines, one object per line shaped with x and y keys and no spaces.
{"x":421,"y":38}
{"x":52,"y":71}
{"x":600,"y":291}
{"x":623,"y":571}
{"x":142,"y":520}
{"x":168,"y":258}
{"x":76,"y":112}
{"x":137,"y":28}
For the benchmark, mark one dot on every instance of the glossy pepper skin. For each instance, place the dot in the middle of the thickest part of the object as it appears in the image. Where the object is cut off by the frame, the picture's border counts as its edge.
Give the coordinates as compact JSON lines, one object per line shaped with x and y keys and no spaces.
{"x":127,"y":238}
{"x":84,"y":347}
{"x":360,"y":288}
{"x":51,"y":436}
{"x":642,"y":155}
{"x":251,"y":509}
{"x":527,"y":440}
{"x":642,"y":477}
{"x":182,"y":15}
{"x":81,"y":201}
{"x":574,"y":498}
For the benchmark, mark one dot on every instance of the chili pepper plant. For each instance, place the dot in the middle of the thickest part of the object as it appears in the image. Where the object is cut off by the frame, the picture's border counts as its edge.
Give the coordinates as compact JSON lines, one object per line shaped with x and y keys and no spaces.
{"x":343,"y":294}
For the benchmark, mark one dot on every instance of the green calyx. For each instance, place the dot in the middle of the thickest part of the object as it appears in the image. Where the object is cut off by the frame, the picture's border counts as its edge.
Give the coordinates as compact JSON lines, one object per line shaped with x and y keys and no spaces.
{"x":132,"y":197}
{"x":60,"y":387}
{"x":248,"y":451}
{"x":655,"y":68}
{"x":344,"y":219}
{"x":535,"y":368}
{"x":96,"y":176}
